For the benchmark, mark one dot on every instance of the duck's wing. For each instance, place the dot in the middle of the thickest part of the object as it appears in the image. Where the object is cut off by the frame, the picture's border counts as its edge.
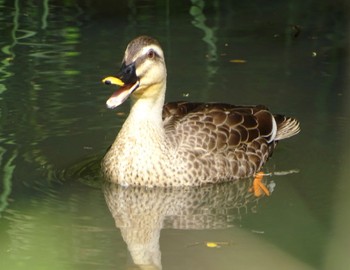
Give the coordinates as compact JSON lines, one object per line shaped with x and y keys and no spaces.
{"x":218,"y":127}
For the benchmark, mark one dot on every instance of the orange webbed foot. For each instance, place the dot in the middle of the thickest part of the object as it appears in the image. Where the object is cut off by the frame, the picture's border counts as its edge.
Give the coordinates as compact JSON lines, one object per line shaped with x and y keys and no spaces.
{"x":259,"y":187}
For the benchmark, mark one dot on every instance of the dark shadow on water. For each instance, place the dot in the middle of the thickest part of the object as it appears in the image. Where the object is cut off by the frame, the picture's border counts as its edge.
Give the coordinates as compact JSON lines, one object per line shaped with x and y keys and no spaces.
{"x":86,"y":171}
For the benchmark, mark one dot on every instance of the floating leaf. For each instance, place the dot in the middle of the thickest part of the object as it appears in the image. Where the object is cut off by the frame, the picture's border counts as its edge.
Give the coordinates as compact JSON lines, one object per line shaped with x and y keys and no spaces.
{"x":238,"y":61}
{"x":212,"y":245}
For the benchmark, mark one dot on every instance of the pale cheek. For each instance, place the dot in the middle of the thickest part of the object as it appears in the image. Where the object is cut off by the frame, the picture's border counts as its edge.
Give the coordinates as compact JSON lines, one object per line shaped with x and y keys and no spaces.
{"x":151,"y":76}
{"x":143,"y":69}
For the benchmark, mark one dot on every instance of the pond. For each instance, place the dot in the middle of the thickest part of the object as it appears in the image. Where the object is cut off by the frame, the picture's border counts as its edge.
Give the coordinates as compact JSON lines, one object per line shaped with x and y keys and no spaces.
{"x":57,"y":213}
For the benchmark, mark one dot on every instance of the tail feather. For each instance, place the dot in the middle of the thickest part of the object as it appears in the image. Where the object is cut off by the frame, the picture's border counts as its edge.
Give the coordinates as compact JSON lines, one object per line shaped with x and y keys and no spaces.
{"x":286,"y":127}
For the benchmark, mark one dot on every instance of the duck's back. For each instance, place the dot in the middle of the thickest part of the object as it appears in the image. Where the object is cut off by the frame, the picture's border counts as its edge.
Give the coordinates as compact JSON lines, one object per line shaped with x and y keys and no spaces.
{"x":223,"y":141}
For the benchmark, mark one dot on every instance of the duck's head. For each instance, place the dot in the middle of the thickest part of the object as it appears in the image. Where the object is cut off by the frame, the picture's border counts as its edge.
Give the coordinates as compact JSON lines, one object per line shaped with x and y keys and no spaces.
{"x":142,"y":73}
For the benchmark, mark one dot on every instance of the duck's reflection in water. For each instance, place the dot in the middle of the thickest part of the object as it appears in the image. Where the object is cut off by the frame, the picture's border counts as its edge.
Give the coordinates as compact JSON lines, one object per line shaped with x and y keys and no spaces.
{"x":140,"y":213}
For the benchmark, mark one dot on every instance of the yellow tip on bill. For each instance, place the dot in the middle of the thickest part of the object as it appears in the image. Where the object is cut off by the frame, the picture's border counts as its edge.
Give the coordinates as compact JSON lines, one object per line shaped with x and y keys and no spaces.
{"x":113,"y":80}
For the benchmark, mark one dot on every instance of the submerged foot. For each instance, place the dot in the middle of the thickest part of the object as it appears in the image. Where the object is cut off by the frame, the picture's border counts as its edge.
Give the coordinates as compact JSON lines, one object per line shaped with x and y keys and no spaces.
{"x":259,"y":187}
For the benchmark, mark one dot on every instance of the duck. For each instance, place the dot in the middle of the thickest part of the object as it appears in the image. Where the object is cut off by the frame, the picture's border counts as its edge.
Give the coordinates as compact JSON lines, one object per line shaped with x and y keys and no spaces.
{"x":183,"y":143}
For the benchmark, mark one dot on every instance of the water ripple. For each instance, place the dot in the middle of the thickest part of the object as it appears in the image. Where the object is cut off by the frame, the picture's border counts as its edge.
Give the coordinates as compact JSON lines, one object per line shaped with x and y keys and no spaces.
{"x":86,"y":171}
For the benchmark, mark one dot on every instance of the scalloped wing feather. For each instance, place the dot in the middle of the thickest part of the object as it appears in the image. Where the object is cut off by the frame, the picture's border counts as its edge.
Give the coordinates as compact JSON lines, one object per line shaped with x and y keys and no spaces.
{"x":230,"y":141}
{"x":216,"y":127}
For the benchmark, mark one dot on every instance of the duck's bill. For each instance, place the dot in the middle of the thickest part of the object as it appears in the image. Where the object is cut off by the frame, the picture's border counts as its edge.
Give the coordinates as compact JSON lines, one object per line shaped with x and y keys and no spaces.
{"x":122,"y":94}
{"x":113,"y":80}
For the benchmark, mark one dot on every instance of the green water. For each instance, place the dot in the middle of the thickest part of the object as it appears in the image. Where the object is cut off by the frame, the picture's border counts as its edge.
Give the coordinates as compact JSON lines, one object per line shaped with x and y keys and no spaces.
{"x":55,"y":213}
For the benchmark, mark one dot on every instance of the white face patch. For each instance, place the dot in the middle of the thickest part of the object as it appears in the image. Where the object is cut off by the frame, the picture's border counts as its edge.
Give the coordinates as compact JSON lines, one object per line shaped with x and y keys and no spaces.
{"x":146,"y":49}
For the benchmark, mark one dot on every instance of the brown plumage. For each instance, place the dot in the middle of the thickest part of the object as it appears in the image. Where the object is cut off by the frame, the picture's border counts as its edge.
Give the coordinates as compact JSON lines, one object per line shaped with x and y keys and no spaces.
{"x":184,"y":143}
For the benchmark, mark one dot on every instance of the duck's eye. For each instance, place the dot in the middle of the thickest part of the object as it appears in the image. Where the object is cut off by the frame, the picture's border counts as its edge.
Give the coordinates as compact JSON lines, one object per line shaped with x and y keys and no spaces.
{"x":150,"y":54}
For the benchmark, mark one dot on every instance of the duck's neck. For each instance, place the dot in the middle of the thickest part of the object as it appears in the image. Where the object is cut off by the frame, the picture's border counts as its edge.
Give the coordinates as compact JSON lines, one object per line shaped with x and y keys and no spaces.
{"x":141,"y":143}
{"x":148,"y":108}
{"x":144,"y":125}
{"x":141,"y":146}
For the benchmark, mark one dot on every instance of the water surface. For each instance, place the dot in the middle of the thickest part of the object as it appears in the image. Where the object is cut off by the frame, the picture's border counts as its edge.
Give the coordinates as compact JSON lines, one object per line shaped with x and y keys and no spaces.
{"x":54,"y":129}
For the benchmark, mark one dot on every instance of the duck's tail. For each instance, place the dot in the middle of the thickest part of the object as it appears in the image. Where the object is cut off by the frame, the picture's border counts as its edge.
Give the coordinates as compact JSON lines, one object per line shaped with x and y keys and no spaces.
{"x":286,"y":127}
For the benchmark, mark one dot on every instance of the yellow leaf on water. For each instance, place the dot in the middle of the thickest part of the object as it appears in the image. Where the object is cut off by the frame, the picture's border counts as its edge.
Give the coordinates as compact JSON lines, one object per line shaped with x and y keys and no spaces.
{"x":212,"y":244}
{"x":238,"y":61}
